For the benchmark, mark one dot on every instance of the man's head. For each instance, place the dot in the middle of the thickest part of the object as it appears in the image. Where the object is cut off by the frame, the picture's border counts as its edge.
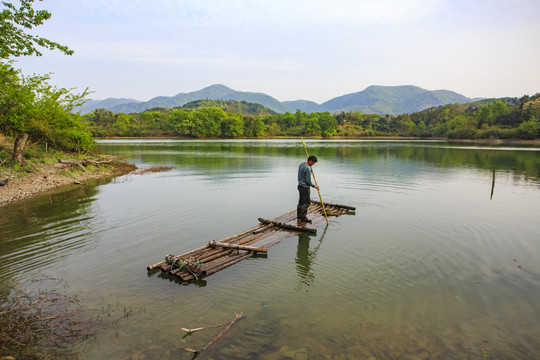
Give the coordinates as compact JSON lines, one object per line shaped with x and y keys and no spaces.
{"x":311,"y":160}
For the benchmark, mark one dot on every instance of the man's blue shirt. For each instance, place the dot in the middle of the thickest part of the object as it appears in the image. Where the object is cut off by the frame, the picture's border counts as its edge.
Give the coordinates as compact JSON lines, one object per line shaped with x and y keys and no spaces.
{"x":304,"y":175}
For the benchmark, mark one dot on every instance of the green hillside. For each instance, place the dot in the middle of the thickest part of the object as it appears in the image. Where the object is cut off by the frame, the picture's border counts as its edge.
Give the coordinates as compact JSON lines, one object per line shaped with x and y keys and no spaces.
{"x":392,"y":100}
{"x":230,"y":106}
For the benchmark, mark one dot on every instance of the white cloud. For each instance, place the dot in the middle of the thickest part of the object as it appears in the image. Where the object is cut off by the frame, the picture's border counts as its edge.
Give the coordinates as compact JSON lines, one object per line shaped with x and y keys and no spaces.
{"x":296,"y":48}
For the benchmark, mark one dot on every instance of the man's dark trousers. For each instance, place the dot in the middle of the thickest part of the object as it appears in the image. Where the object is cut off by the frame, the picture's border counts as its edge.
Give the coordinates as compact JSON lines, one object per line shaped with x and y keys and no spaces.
{"x":303,"y":201}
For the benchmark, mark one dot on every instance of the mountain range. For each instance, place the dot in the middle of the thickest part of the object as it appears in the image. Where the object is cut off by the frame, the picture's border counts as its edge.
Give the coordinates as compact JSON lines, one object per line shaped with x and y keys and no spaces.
{"x":382,"y":100}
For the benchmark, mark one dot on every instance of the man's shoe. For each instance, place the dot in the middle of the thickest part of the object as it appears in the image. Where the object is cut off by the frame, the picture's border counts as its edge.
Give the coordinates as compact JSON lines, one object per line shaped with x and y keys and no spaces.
{"x":306,"y":220}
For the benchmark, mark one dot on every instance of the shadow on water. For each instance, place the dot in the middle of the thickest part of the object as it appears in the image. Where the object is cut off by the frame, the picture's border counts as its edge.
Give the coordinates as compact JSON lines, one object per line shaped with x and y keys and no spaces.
{"x":163,"y":275}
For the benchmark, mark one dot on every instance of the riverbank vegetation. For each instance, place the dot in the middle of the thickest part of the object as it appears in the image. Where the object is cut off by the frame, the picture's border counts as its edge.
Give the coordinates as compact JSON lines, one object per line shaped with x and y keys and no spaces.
{"x":43,"y":169}
{"x":32,"y":109}
{"x":507,"y":118}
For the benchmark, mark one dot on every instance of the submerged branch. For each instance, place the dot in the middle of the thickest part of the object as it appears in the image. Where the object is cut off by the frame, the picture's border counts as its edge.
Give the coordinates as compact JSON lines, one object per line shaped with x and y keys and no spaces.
{"x":237,"y":317}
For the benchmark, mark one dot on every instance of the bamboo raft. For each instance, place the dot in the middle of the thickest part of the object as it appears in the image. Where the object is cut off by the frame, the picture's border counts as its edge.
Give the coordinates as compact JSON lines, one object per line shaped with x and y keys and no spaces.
{"x":217,"y":255}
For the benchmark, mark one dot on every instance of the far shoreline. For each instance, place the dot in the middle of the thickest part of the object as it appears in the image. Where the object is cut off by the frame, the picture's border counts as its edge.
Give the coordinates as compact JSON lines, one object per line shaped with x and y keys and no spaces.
{"x":535,"y":142}
{"x":50,"y":178}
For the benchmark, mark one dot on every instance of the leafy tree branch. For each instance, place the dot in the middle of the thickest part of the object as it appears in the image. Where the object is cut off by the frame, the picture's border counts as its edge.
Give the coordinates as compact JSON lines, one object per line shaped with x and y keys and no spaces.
{"x":15,"y":24}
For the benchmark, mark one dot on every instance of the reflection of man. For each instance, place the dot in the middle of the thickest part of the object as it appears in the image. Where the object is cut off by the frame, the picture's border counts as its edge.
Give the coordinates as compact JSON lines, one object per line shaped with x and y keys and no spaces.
{"x":304,"y":259}
{"x":304,"y":183}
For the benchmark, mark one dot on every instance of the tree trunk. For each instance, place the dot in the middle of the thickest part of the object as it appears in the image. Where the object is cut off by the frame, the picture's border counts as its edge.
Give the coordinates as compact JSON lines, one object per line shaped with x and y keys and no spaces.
{"x":18,"y":149}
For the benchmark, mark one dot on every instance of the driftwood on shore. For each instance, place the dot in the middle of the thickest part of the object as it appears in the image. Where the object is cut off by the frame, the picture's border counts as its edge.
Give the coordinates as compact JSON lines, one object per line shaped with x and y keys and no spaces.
{"x":85,"y":162}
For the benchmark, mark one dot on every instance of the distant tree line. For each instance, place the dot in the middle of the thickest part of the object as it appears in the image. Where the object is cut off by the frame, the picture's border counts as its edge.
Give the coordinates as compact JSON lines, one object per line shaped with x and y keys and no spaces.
{"x":508,"y":118}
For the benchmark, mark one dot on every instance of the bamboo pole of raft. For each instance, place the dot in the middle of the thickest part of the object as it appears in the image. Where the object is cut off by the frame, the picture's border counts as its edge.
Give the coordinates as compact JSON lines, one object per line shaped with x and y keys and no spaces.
{"x":287,"y":226}
{"x":315,"y":179}
{"x":214,"y":243}
{"x":201,"y":250}
{"x":207,"y":255}
{"x":220,"y":265}
{"x":335,"y":205}
{"x":212,"y":254}
{"x":213,"y":258}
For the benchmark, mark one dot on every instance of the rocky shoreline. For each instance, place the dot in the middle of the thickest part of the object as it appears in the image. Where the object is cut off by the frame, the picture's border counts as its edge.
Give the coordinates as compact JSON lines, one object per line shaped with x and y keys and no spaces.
{"x":48,"y":177}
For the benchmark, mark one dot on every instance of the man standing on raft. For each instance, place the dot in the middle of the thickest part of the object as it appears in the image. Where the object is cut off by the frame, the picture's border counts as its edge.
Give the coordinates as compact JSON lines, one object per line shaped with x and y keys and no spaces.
{"x":304,"y":183}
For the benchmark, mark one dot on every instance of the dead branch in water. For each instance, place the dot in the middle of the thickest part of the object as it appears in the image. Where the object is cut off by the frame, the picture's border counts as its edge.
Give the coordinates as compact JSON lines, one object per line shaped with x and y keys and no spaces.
{"x":237,"y":317}
{"x":191,"y":331}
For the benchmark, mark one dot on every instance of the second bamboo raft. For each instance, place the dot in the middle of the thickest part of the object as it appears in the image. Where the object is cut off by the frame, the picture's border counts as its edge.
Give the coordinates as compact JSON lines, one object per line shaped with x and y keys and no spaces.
{"x":217,"y":255}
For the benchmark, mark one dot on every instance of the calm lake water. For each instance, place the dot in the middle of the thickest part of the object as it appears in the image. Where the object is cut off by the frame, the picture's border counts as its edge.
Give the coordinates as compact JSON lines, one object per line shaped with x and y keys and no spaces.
{"x":436,"y":263}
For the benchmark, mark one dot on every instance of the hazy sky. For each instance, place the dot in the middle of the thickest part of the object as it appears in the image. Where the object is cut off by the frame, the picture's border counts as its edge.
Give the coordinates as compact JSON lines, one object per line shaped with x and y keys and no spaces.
{"x":292,"y":49}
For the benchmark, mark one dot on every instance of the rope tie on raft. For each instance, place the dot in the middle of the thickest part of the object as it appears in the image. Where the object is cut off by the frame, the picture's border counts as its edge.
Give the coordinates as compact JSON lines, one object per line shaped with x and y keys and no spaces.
{"x":185,"y":265}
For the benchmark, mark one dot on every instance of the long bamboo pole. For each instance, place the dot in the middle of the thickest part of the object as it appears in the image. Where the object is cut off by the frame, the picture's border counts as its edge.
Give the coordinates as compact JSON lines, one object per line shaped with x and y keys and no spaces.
{"x":315,"y":179}
{"x":214,"y":243}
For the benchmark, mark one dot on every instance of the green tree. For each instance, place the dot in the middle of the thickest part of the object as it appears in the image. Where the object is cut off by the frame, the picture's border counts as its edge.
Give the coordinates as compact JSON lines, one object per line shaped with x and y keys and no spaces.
{"x":484,"y":116}
{"x":232,"y":125}
{"x":14,"y":24}
{"x":498,"y":109}
{"x":253,"y":126}
{"x":328,"y":124}
{"x":529,"y":129}
{"x":31,"y":107}
{"x":312,"y":125}
{"x":154,"y":122}
{"x":177,"y":120}
{"x":206,"y":122}
{"x":123,"y":125}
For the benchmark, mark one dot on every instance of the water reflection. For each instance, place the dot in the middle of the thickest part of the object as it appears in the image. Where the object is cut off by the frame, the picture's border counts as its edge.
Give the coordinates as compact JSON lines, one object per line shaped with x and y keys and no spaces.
{"x":305,"y":258}
{"x":260,"y":155}
{"x":492,"y":185}
{"x":37,"y":233}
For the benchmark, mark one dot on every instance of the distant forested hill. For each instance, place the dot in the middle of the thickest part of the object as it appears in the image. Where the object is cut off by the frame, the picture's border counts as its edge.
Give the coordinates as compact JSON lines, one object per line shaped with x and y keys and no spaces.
{"x":215,"y":92}
{"x":392,"y":100}
{"x":303,"y":105}
{"x":230,"y":106}
{"x":107,"y":104}
{"x":382,"y":100}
